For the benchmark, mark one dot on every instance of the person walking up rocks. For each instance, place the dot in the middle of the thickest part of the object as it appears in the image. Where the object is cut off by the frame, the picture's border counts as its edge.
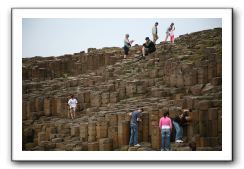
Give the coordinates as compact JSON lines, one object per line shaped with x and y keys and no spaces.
{"x":155,"y":32}
{"x":170,"y":28}
{"x":72,"y":106}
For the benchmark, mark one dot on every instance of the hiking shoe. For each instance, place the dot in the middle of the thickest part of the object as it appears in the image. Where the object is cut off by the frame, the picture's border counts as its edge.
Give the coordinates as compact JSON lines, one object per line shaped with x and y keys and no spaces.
{"x":137,"y":145}
{"x":178,"y":141}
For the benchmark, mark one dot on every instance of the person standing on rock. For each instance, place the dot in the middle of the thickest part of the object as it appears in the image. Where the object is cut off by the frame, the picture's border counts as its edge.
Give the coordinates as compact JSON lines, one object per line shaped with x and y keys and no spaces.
{"x":148,"y":47}
{"x":170,"y":28}
{"x":127,"y":45}
{"x":155,"y":32}
{"x":165,"y":126}
{"x":135,"y":118}
{"x":180,"y":121}
{"x":172,"y":36}
{"x":72,"y":106}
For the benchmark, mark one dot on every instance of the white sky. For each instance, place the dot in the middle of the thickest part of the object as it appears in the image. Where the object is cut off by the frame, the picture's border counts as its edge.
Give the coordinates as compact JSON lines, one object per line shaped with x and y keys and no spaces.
{"x":55,"y":37}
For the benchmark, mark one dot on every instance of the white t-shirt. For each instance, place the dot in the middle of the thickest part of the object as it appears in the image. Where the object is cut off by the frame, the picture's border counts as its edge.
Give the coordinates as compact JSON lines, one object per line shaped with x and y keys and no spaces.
{"x":154,"y":30}
{"x":72,"y":103}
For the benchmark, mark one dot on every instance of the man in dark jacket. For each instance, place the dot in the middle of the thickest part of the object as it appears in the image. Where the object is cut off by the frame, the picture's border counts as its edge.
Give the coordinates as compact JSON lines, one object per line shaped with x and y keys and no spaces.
{"x":178,"y":122}
{"x":148,"y":47}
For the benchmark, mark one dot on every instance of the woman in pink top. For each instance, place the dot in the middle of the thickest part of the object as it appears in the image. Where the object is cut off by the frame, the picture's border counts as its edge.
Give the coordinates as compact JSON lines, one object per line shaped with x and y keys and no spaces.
{"x":165,"y":126}
{"x":172,"y":36}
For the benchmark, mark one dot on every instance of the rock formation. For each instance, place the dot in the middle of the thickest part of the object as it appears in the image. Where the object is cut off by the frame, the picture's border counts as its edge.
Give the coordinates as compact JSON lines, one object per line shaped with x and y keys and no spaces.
{"x":107,"y":87}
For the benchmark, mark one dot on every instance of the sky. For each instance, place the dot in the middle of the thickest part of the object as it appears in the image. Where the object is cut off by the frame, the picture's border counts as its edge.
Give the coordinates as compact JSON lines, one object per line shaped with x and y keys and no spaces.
{"x":58,"y":36}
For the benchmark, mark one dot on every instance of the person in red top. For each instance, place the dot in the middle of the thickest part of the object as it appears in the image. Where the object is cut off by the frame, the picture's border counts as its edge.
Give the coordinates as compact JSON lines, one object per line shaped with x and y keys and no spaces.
{"x":165,"y":126}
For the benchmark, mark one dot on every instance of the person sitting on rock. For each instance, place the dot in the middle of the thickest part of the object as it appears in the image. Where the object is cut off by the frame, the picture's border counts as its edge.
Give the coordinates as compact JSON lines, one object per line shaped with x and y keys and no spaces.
{"x":148,"y":47}
{"x":72,"y":106}
{"x":135,"y":118}
{"x":178,"y":122}
{"x":127,"y":45}
{"x":165,"y":126}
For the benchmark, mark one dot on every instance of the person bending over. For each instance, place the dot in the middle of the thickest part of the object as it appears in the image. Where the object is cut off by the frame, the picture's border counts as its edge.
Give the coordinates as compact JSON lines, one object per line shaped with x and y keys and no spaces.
{"x":135,"y":118}
{"x":178,"y":122}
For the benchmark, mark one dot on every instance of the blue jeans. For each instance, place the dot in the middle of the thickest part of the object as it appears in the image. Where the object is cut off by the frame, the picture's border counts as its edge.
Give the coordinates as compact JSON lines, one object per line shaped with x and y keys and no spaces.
{"x":133,"y":134}
{"x":165,"y":145}
{"x":179,"y":131}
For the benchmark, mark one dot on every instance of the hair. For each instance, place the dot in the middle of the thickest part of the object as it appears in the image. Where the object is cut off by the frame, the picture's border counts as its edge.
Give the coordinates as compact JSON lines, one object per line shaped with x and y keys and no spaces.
{"x":147,"y":38}
{"x":141,"y":109}
{"x":156,"y":23}
{"x":185,"y":113}
{"x":171,"y":26}
{"x":72,"y":96}
{"x":166,"y":113}
{"x":127,"y":35}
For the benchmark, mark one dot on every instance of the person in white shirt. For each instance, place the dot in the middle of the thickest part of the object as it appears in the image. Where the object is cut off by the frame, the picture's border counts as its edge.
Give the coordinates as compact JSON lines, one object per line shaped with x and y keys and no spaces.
{"x":127,"y":45}
{"x":72,"y":106}
{"x":155,"y":32}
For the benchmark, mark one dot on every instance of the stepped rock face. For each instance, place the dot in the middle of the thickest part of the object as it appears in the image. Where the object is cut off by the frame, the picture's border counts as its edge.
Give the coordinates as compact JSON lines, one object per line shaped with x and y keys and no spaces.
{"x":107,"y":87}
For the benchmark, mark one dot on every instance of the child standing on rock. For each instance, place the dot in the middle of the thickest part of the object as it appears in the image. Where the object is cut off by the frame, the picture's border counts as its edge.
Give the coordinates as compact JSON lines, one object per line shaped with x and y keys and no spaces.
{"x":165,"y":126}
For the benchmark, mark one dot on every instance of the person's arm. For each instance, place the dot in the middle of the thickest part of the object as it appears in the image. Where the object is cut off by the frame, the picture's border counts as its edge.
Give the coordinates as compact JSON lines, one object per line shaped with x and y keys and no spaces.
{"x":170,"y":124}
{"x":160,"y":125}
{"x":76,"y":102}
{"x":188,"y":118}
{"x":131,"y":42}
{"x":69,"y":102}
{"x":127,"y":43}
{"x":139,"y":117}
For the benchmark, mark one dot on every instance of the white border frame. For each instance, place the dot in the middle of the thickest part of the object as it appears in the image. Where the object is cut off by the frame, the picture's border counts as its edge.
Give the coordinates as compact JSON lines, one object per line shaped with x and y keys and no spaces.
{"x":19,"y":155}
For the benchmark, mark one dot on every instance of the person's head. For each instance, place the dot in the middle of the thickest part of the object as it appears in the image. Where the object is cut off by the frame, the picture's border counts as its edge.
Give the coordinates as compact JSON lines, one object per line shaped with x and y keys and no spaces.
{"x":140,"y":110}
{"x":72,"y":96}
{"x":127,"y":35}
{"x":184,"y":113}
{"x":172,"y":24}
{"x":166,"y":113}
{"x":147,"y":39}
{"x":156,"y":23}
